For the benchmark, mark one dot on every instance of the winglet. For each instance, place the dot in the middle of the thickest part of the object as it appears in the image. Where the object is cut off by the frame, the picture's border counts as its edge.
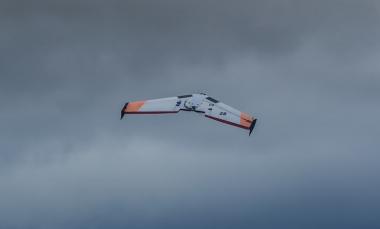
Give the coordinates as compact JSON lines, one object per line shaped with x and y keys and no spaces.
{"x":252,"y":126}
{"x":122,"y":113}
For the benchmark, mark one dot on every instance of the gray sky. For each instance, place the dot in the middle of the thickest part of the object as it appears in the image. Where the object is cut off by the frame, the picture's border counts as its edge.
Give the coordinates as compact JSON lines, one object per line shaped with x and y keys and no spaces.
{"x":307,"y":69}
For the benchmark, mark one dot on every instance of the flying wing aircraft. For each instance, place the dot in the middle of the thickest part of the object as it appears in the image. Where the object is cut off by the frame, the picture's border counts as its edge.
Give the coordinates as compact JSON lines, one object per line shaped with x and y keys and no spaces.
{"x":199,"y":103}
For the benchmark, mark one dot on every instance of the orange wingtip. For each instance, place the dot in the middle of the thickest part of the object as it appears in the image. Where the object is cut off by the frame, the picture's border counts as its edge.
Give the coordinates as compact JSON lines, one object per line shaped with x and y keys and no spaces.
{"x":134,"y":106}
{"x":245,"y":120}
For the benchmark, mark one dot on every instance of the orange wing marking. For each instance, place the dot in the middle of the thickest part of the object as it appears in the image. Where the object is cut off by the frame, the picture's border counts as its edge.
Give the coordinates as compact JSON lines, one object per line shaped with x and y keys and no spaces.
{"x":245,"y":120}
{"x":134,"y":106}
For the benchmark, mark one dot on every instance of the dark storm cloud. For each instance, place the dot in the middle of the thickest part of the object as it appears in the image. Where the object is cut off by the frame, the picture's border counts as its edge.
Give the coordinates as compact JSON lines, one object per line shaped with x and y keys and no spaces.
{"x":308,"y":69}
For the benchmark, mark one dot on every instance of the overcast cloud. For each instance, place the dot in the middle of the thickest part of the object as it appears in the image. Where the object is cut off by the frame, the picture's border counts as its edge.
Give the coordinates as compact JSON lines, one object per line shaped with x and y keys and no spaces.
{"x":309,"y":70}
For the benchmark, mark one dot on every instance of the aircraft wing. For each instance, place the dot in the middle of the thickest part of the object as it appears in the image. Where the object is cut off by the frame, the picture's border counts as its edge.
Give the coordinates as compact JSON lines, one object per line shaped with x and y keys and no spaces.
{"x":152,"y":106}
{"x":223,"y":113}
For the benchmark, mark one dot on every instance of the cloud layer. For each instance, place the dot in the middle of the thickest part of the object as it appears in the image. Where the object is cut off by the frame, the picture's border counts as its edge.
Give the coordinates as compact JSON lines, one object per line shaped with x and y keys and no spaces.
{"x":308,"y":70}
